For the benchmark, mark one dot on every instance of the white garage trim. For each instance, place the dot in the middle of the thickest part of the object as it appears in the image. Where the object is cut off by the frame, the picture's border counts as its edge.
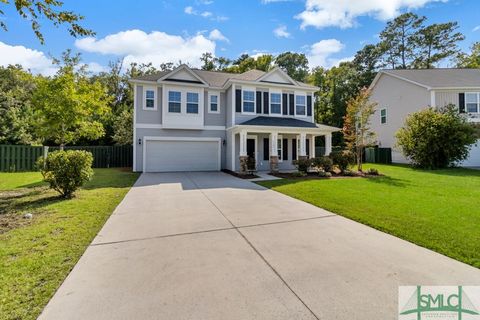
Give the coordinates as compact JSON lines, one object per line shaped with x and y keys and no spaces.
{"x":188,"y":139}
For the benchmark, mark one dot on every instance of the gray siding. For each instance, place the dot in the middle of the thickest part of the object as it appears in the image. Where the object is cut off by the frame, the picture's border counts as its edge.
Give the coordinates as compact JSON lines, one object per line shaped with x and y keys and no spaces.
{"x":149,"y":116}
{"x":175,"y":133}
{"x":228,"y":108}
{"x":400,"y":98}
{"x":444,"y":98}
{"x":215,"y":119}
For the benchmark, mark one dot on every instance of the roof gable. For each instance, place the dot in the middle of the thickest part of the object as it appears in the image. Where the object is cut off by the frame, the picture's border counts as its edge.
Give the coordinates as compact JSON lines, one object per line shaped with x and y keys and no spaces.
{"x":183,"y":74}
{"x":277,"y":75}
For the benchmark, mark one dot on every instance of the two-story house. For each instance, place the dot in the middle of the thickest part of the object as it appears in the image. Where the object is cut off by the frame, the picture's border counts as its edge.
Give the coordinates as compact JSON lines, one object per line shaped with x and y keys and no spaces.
{"x":195,"y":120}
{"x":399,"y":93}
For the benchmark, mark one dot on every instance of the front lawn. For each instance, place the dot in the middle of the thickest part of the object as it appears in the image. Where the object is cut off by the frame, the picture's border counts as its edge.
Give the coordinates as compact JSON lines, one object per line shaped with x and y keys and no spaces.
{"x":439,"y":210}
{"x":37,"y":254}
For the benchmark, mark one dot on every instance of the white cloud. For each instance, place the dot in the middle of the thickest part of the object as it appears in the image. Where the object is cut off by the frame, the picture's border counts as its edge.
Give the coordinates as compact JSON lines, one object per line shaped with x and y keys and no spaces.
{"x":343,"y":13}
{"x":189,"y":10}
{"x":204,"y":2}
{"x":31,"y":59}
{"x":273,"y":1}
{"x":216,"y":35}
{"x":476,"y":28}
{"x":205,"y":14}
{"x":156,"y":47}
{"x":281,"y":32}
{"x":319,"y":53}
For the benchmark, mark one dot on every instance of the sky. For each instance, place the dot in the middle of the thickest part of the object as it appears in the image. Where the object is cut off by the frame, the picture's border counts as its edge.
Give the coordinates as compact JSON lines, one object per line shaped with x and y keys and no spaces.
{"x":327,"y":31}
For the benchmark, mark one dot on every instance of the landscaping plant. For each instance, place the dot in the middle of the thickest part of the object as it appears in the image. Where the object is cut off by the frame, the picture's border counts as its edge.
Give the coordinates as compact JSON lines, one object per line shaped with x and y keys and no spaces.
{"x":322,"y":163}
{"x":302,"y":164}
{"x":342,"y":159}
{"x":66,"y":171}
{"x":436,"y":138}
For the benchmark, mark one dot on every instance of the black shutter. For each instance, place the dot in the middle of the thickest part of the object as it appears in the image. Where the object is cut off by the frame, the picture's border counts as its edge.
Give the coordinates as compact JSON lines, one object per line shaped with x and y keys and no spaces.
{"x":238,"y":100}
{"x":259,"y":102}
{"x":308,"y":147}
{"x":309,"y":106}
{"x":294,"y":149}
{"x":285,"y":104}
{"x":285,"y":149}
{"x":265,"y":103}
{"x":266,"y":149}
{"x":292,"y":104}
{"x":461,"y":102}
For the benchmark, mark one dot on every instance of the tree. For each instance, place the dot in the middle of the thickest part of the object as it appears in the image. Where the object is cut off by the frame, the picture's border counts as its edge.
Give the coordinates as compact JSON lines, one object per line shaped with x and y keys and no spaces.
{"x":356,"y":128}
{"x":471,"y":60}
{"x":16,"y":112}
{"x":435,"y":43}
{"x":367,"y":62}
{"x":294,"y":64}
{"x":208,"y":61}
{"x":35,"y":10}
{"x":123,"y":128}
{"x":398,"y":38}
{"x":264,"y":62}
{"x":69,"y":106}
{"x":434,"y":139}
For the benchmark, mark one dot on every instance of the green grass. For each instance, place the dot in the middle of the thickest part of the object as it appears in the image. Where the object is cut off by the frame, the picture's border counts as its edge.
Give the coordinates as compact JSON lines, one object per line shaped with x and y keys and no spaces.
{"x":439,"y":210}
{"x":36,"y":255}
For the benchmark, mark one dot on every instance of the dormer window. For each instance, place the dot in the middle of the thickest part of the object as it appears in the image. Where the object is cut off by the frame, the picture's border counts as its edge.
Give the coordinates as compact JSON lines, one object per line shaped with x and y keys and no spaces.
{"x":275,"y":103}
{"x":174,"y":101}
{"x":248,"y":101}
{"x":149,"y":99}
{"x":192,"y":102}
{"x":300,"y":105}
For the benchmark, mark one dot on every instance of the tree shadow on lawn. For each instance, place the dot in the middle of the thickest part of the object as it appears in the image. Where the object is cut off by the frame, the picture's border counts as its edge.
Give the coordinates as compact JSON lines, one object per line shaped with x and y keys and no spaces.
{"x":395,"y":182}
{"x":454,"y":172}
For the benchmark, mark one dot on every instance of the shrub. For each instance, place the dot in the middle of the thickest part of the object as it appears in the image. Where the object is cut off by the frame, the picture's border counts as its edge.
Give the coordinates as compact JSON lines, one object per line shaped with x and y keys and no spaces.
{"x":433,"y":139}
{"x":342,"y":159}
{"x":372,"y":172}
{"x":322,"y":163}
{"x":66,"y":171}
{"x":302,"y":164}
{"x":324,"y":174}
{"x":298,"y":174}
{"x":349,"y":173}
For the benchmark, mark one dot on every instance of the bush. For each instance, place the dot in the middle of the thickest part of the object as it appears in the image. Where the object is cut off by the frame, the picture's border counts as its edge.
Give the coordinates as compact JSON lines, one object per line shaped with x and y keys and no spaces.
{"x":433,"y":139}
{"x":372,"y":172}
{"x":298,"y":174}
{"x":322,"y":163}
{"x":66,"y":171}
{"x":342,"y":159}
{"x":302,"y":164}
{"x":349,"y":173}
{"x":324,"y":174}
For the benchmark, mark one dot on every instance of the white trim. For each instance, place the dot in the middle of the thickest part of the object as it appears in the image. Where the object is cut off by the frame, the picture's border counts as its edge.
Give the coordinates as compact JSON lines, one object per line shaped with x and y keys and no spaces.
{"x":233,"y":106}
{"x":155,"y":98}
{"x":160,"y":126}
{"x":151,"y":138}
{"x":250,"y":89}
{"x":270,"y":103}
{"x":320,"y":129}
{"x":146,"y":82}
{"x":432,"y":99}
{"x":277,"y":69}
{"x":186,"y":68}
{"x":268,"y":85}
{"x":256,"y":147}
{"x":301,"y":94}
{"x":386,"y":116}
{"x":280,"y":157}
{"x":233,"y":150}
{"x":478,"y":103}
{"x":134,"y":169}
{"x":210,"y":94}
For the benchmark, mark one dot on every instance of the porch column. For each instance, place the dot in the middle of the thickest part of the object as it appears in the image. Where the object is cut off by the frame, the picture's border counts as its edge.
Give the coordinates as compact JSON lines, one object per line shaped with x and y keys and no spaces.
{"x":303,"y":145}
{"x":328,"y":144}
{"x":312,"y":146}
{"x":243,"y":157}
{"x":274,"y":152}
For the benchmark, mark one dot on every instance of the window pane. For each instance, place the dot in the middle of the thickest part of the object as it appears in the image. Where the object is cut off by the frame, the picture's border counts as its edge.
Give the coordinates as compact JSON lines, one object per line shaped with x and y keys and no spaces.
{"x":471,"y":98}
{"x":279,"y":149}
{"x":174,"y":96}
{"x":300,"y":100}
{"x":275,"y":108}
{"x":276,"y":98}
{"x":472,"y":107}
{"x":383,"y":112}
{"x":150,"y":103}
{"x":383,"y":119}
{"x":213,"y":107}
{"x":192,"y":107}
{"x":213,"y":99}
{"x":150,"y":94}
{"x":192,"y":97}
{"x":174,"y":107}
{"x":248,"y":96}
{"x":248,"y":106}
{"x":301,"y":110}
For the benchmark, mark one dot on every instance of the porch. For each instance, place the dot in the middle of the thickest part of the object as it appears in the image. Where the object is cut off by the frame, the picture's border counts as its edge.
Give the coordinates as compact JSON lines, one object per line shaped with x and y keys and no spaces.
{"x":273,"y":148}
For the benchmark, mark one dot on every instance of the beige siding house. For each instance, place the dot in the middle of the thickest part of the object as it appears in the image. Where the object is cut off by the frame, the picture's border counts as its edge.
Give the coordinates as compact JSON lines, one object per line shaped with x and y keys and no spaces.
{"x":401,"y":92}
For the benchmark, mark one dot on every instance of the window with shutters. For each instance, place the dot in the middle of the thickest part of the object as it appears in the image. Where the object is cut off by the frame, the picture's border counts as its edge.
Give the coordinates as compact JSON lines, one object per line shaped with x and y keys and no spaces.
{"x":280,"y":148}
{"x":472,"y":100}
{"x":275,"y":103}
{"x":300,"y":105}
{"x":174,"y":102}
{"x":149,"y":99}
{"x":383,"y":116}
{"x":248,"y":101}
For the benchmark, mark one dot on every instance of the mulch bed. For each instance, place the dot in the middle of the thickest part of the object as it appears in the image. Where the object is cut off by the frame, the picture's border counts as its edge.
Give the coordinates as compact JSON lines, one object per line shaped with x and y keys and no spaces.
{"x":241,"y":176}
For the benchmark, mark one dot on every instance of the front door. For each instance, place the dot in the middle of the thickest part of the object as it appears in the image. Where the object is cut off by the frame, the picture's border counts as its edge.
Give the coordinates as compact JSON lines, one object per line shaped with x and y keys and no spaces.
{"x":251,"y":154}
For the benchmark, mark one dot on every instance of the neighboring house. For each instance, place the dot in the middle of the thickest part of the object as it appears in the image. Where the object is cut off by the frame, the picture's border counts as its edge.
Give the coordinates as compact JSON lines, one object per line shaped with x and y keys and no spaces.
{"x":402,"y":92}
{"x":195,"y":120}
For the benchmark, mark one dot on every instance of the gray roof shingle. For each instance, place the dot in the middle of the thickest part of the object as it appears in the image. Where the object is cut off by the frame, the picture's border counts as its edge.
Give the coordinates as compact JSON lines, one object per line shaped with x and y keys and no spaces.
{"x":440,"y":78}
{"x":278,"y":122}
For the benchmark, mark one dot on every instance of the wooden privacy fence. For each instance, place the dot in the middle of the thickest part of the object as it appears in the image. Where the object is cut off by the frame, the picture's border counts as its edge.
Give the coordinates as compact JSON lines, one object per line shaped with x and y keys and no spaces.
{"x":23,"y":158}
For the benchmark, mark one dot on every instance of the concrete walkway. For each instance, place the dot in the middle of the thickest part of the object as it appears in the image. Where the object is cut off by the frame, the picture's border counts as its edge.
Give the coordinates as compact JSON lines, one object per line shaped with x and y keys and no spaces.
{"x":211,"y":246}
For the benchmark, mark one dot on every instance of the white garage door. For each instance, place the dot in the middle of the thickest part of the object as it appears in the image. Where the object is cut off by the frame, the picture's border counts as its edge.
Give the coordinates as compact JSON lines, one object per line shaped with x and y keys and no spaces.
{"x":182,"y":154}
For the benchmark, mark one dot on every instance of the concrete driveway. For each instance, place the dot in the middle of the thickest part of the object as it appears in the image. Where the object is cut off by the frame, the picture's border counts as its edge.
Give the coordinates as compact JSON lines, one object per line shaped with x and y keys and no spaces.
{"x":211,"y":246}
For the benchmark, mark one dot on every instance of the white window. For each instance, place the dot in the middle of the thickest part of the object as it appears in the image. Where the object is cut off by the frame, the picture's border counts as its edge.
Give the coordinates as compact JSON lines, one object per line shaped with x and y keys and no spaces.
{"x":472,"y":102}
{"x":300,"y":105}
{"x":214,"y":103}
{"x":150,"y":103}
{"x":174,"y":101}
{"x":192,"y":102}
{"x":275,"y":103}
{"x":248,"y":101}
{"x":280,"y":148}
{"x":383,"y":116}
